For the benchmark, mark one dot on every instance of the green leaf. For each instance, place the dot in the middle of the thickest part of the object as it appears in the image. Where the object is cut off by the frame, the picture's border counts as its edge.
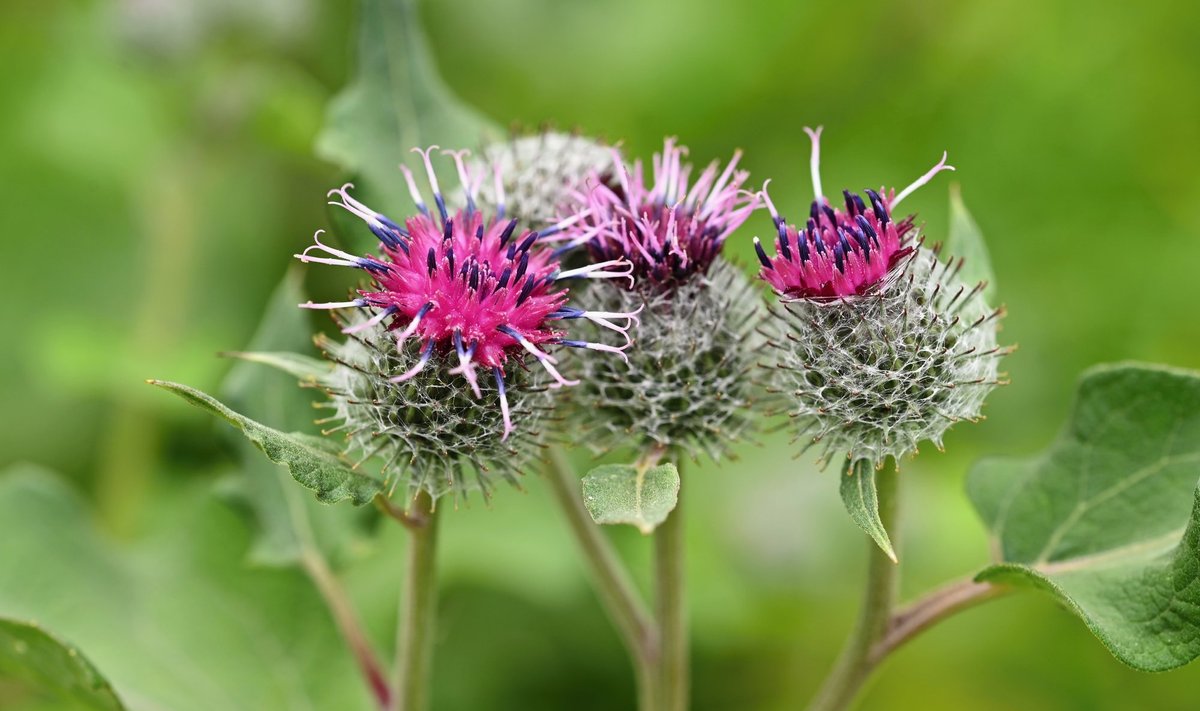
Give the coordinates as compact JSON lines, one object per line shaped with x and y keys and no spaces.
{"x":289,"y":521}
{"x":174,"y":617}
{"x":1108,"y":518}
{"x":31,"y":655}
{"x":306,"y":369}
{"x":313,"y":461}
{"x":623,"y":493}
{"x":396,"y":102}
{"x":966,"y":241}
{"x":862,"y":503}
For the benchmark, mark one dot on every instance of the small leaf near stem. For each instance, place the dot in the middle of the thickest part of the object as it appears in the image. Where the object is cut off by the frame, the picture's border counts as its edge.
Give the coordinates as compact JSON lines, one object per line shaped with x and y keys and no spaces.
{"x":641,"y":494}
{"x":861,"y":500}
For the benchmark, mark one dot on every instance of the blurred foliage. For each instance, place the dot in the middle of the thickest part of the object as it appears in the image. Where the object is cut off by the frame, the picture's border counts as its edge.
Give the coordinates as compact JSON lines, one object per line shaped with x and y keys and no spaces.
{"x":163,"y":150}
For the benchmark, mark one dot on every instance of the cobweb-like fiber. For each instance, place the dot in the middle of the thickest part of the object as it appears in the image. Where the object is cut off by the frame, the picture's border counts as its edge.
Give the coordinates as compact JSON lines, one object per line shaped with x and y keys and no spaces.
{"x":687,"y":384}
{"x":430,"y":433}
{"x":874,"y":375}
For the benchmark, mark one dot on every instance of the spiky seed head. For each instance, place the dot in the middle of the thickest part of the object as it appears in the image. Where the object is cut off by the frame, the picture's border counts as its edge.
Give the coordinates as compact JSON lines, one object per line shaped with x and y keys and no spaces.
{"x":430,"y":433}
{"x":879,"y":345}
{"x":453,"y":293}
{"x":540,"y":173}
{"x":872,"y":376}
{"x":686,"y":385}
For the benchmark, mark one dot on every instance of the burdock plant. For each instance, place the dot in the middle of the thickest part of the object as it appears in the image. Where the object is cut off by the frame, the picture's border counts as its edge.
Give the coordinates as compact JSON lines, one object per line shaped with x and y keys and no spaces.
{"x":878,"y":346}
{"x":442,"y":382}
{"x":682,"y":391}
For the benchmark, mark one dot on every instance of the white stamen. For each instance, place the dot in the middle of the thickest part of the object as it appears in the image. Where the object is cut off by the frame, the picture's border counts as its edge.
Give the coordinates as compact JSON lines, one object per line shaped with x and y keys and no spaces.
{"x":412,"y":187}
{"x":815,"y":161}
{"x":345,"y":259}
{"x":767,"y":199}
{"x":466,"y":368}
{"x":463,"y":178}
{"x":596,"y":271}
{"x":433,"y":181}
{"x":416,"y":368}
{"x":334,"y":304}
{"x":373,"y":321}
{"x":353,"y":206}
{"x":607,"y":348}
{"x":411,"y":328}
{"x":922,"y":180}
{"x":503,"y":403}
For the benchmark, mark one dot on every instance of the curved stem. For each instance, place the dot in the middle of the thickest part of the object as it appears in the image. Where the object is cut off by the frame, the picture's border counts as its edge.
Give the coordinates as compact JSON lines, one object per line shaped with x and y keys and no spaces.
{"x":613,"y":584}
{"x":931,"y":609}
{"x":856,"y":662}
{"x":671,"y":604}
{"x":418,"y":610}
{"x":346,"y":619}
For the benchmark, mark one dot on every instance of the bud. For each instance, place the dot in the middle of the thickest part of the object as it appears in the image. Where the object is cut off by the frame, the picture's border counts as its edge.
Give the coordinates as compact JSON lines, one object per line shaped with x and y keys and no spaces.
{"x":541,"y":173}
{"x":450,"y":295}
{"x":879,"y":345}
{"x":685,"y":385}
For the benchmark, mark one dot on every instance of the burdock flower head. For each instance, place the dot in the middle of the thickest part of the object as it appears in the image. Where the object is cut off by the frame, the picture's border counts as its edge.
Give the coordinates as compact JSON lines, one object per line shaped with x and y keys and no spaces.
{"x":452,"y":295}
{"x":685,"y":383}
{"x":880,"y":345}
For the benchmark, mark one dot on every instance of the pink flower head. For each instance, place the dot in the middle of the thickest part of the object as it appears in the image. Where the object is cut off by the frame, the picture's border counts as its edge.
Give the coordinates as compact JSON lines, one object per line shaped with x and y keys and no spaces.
{"x":838,"y":254}
{"x":468,"y":287}
{"x":671,"y":230}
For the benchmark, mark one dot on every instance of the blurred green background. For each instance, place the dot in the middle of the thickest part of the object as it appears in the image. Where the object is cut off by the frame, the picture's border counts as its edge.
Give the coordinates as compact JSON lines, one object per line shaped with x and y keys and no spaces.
{"x":158,"y":172}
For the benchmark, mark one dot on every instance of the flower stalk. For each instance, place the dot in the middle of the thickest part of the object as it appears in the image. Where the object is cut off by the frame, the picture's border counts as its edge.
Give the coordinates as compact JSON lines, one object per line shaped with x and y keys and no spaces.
{"x":856,"y":662}
{"x":418,"y":610}
{"x":671,"y":608}
{"x":612,"y":580}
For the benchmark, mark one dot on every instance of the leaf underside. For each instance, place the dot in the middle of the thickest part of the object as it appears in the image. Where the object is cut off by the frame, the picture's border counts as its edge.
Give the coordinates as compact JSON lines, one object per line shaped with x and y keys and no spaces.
{"x":620,"y":493}
{"x":1107,"y":519}
{"x":313,"y":461}
{"x":288,"y":521}
{"x":862,"y":503}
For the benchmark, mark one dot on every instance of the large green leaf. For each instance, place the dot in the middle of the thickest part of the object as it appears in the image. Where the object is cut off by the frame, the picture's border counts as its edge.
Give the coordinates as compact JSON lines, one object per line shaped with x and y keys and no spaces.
{"x":862,"y":503}
{"x":174,"y":618}
{"x":289,"y":521}
{"x":313,"y":461}
{"x":1108,"y":518}
{"x":32,"y":655}
{"x":966,"y":241}
{"x":396,"y":102}
{"x":624,"y":493}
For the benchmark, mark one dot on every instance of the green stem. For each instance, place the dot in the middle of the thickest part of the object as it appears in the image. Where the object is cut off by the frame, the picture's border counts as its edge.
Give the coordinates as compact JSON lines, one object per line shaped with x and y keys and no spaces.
{"x":672,"y":613}
{"x":418,"y":610}
{"x":936,"y":606}
{"x":613,"y":584}
{"x":856,"y":662}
